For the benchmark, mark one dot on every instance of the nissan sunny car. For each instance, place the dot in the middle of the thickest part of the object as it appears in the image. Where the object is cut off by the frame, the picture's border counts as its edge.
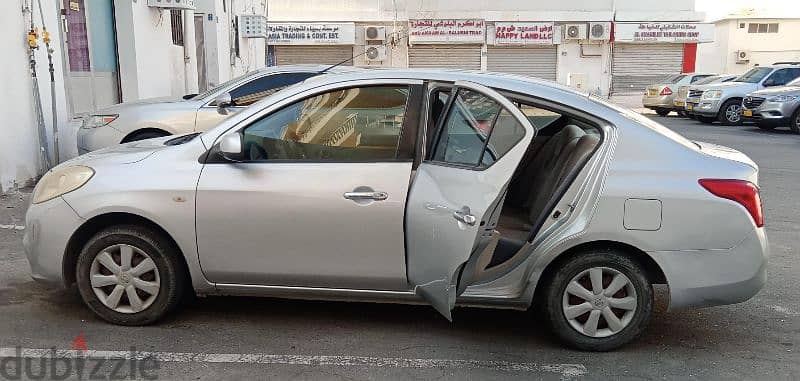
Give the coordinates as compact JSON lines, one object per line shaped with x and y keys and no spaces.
{"x":449,"y":188}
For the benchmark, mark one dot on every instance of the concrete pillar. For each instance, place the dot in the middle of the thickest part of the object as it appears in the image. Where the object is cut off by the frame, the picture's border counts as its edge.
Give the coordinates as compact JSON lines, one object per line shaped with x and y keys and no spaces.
{"x":189,"y":52}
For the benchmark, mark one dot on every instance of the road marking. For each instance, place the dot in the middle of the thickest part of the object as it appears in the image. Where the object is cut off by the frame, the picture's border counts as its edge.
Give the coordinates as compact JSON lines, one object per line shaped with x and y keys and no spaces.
{"x":567,"y":371}
{"x":13,"y":227}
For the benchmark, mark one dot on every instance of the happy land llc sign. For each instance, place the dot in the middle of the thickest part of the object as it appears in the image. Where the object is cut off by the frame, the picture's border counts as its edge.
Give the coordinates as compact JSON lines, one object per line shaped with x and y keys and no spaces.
{"x":663,"y":32}
{"x":288,"y":33}
{"x":523,"y":33}
{"x":436,"y":31}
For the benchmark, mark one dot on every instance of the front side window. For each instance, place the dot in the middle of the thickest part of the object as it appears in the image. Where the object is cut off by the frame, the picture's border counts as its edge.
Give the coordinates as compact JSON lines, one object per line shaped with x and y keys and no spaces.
{"x":782,"y":77}
{"x":259,"y":88}
{"x":357,"y":124}
{"x":477,"y":131}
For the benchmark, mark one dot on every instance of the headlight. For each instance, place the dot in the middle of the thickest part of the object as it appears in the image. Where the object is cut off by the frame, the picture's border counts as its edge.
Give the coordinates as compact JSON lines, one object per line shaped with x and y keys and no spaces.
{"x":61,"y":181}
{"x":94,"y":121}
{"x":782,"y":98}
{"x":712,"y":94}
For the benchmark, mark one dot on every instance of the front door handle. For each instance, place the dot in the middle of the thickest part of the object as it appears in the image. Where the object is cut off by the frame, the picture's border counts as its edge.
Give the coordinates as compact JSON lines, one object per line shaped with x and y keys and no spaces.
{"x":464,"y":216}
{"x":375,"y":196}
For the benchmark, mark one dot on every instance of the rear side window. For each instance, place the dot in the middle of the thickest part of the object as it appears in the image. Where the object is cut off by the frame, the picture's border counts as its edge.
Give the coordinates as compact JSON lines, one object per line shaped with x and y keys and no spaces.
{"x":259,"y":88}
{"x":477,"y":131}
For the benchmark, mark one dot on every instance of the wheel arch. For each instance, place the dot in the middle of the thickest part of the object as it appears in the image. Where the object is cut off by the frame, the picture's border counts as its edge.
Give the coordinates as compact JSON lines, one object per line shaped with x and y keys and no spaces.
{"x":653,"y":271}
{"x":97,"y":223}
{"x":130,"y":135}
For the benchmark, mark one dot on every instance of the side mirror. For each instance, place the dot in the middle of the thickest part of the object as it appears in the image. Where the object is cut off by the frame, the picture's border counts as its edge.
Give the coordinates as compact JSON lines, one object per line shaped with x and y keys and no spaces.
{"x":230,"y":146}
{"x":222,"y":102}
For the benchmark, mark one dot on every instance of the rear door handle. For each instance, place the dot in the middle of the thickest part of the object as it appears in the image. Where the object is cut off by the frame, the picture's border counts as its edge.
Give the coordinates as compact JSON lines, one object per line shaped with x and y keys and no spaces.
{"x":375,"y":196}
{"x":464,"y":216}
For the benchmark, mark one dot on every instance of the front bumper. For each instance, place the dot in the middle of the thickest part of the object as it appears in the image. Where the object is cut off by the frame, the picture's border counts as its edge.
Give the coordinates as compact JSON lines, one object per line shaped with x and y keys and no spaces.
{"x":92,"y":139}
{"x":48,"y":228}
{"x":707,"y":107}
{"x":772,"y":112}
{"x":659,"y":102}
{"x":704,"y":278}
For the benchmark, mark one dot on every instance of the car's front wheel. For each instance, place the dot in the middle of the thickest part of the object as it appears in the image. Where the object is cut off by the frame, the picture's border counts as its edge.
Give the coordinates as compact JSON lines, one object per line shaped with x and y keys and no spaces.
{"x":130,"y":275}
{"x":794,"y":123}
{"x":599,"y":300}
{"x":730,"y":114}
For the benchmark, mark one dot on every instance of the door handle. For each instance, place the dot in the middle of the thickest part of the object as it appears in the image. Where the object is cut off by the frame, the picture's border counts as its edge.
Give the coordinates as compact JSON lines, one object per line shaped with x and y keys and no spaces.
{"x":375,"y":196}
{"x":464,"y":216}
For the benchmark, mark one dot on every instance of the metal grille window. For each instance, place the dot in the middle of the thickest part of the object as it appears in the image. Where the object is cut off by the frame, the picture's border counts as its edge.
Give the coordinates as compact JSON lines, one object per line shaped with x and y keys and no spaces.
{"x":176,"y":18}
{"x":762,"y":28}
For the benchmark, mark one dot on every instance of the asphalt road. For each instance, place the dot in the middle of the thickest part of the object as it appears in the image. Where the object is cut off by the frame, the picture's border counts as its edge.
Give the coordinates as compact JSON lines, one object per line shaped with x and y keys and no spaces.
{"x":268,"y":338}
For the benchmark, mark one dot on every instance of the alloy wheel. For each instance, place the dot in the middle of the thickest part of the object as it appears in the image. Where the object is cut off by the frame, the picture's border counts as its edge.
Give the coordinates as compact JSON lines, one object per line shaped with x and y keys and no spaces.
{"x":599,"y":302}
{"x":124,"y":278}
{"x":733,"y":113}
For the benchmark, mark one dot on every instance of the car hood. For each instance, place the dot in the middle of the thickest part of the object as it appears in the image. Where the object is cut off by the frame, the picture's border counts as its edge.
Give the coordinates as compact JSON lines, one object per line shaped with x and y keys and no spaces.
{"x":785,"y":90}
{"x":726,"y":153}
{"x":127,"y":153}
{"x":726,"y":86}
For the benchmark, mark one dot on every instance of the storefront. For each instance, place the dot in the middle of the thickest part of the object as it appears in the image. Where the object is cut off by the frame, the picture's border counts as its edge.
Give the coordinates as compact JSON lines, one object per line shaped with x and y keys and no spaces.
{"x":310,"y":43}
{"x":645,"y":53}
{"x":524,"y":48}
{"x":446,"y":43}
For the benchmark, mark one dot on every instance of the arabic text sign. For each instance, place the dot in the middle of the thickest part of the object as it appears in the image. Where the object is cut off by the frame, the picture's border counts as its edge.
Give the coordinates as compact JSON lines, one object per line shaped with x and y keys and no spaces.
{"x":311,"y":33}
{"x":463,"y":31}
{"x":523,"y":33}
{"x":663,"y":32}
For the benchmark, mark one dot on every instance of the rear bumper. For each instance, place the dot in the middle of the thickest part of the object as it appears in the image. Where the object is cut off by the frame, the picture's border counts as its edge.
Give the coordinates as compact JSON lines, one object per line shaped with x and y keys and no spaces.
{"x":658,"y":102}
{"x":704,"y":278}
{"x":92,"y":139}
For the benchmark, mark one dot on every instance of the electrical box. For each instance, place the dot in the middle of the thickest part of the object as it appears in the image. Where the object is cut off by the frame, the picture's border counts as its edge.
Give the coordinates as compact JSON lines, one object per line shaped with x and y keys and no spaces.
{"x":577,"y":81}
{"x":252,"y":26}
{"x":172,"y":4}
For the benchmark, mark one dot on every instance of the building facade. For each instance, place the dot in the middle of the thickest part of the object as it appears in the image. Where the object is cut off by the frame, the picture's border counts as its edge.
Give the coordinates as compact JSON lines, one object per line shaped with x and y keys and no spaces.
{"x":105,"y":52}
{"x":600,"y":46}
{"x":751,"y":38}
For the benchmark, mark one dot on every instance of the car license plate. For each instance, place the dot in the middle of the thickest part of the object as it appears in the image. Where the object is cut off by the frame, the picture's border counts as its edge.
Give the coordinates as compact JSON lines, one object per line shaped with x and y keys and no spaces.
{"x":678,"y":104}
{"x":689,"y":106}
{"x":652,"y":92}
{"x":747,"y":113}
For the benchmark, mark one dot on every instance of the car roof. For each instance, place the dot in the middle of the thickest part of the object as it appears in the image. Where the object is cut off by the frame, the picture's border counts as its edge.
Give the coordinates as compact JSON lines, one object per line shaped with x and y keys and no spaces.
{"x":307,"y":68}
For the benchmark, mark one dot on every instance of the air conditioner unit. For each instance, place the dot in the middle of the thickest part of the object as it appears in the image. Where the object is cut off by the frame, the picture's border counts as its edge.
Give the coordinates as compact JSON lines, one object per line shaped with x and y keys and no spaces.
{"x":375,"y":53}
{"x":575,"y":32}
{"x":172,"y":4}
{"x":252,"y":26}
{"x":743,"y":56}
{"x":600,"y":31}
{"x":374,"y":33}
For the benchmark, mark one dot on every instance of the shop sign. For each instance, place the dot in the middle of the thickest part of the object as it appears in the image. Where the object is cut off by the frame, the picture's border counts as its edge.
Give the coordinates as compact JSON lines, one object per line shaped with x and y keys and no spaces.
{"x":311,"y":33}
{"x":438,"y":31}
{"x":674,"y":32}
{"x":523,"y":33}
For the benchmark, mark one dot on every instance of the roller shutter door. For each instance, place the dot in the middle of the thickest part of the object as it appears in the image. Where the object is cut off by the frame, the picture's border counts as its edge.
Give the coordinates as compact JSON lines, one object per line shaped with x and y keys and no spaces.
{"x":637,"y":65}
{"x":533,"y":61}
{"x":445,"y":56}
{"x":316,"y":55}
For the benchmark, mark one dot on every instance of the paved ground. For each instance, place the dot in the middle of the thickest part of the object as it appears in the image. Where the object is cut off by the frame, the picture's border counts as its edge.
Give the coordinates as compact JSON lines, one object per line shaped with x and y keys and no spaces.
{"x":759,"y":339}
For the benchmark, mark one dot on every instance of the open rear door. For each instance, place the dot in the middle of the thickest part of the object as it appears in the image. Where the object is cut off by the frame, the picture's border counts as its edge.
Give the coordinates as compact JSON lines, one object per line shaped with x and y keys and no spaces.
{"x":455,"y":200}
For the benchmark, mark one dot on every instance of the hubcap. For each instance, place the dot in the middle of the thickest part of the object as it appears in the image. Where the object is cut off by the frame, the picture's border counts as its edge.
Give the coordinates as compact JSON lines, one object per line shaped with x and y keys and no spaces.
{"x":733,"y":113}
{"x":124,"y":278}
{"x":599,"y":302}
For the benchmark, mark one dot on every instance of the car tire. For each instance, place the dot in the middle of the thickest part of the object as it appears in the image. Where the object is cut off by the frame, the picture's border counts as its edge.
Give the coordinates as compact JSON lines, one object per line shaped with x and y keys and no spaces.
{"x":682,"y":114}
{"x":794,"y":123}
{"x":145,"y":135}
{"x":706,"y":119}
{"x":730,"y":114}
{"x":108,"y":293}
{"x":662,"y":112}
{"x":630,"y":322}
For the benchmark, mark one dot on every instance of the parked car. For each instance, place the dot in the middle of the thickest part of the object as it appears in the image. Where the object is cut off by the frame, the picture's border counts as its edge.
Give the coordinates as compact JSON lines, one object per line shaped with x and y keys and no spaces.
{"x":687,"y":97}
{"x":661,"y":97}
{"x":410,"y":186}
{"x":723,"y":101}
{"x":157,"y":117}
{"x":774,"y":107}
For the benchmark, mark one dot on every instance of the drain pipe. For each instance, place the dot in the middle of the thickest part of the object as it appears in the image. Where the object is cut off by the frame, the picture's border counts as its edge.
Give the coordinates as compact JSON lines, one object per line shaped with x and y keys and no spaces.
{"x":51,"y":69}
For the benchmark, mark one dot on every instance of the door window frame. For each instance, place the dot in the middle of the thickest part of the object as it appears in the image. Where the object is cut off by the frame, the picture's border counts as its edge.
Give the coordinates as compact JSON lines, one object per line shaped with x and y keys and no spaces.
{"x":406,"y":146}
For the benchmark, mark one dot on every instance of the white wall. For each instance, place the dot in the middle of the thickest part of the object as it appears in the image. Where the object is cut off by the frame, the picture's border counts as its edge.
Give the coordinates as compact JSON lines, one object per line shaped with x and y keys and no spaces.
{"x":594,"y":61}
{"x":19,"y":146}
{"x":766,"y":48}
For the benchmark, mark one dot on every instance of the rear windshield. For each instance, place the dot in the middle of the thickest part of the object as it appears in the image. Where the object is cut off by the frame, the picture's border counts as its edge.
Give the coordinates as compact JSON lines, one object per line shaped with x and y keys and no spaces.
{"x":675,"y":78}
{"x":755,"y":75}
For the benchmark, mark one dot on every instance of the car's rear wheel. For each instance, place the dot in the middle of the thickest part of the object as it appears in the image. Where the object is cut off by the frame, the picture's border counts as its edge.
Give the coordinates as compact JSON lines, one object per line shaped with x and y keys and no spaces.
{"x":730,"y":114}
{"x":662,"y":112}
{"x":682,"y":114}
{"x":706,"y":119}
{"x":130,"y":275}
{"x":599,"y":300}
{"x":794,"y":123}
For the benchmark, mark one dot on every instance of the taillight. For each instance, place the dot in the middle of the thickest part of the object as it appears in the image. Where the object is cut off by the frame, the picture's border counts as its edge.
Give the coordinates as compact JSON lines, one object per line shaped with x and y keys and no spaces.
{"x":741,"y":191}
{"x":666,"y":91}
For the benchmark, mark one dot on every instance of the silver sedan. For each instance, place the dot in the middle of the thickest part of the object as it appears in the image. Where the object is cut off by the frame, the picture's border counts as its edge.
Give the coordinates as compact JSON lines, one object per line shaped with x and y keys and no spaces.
{"x":441,"y":187}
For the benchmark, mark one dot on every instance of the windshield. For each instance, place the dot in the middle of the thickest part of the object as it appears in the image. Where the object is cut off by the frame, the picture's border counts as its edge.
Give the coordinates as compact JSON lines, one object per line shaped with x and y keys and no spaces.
{"x":711,"y":79}
{"x":755,"y":75}
{"x":219,"y":87}
{"x":675,"y":78}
